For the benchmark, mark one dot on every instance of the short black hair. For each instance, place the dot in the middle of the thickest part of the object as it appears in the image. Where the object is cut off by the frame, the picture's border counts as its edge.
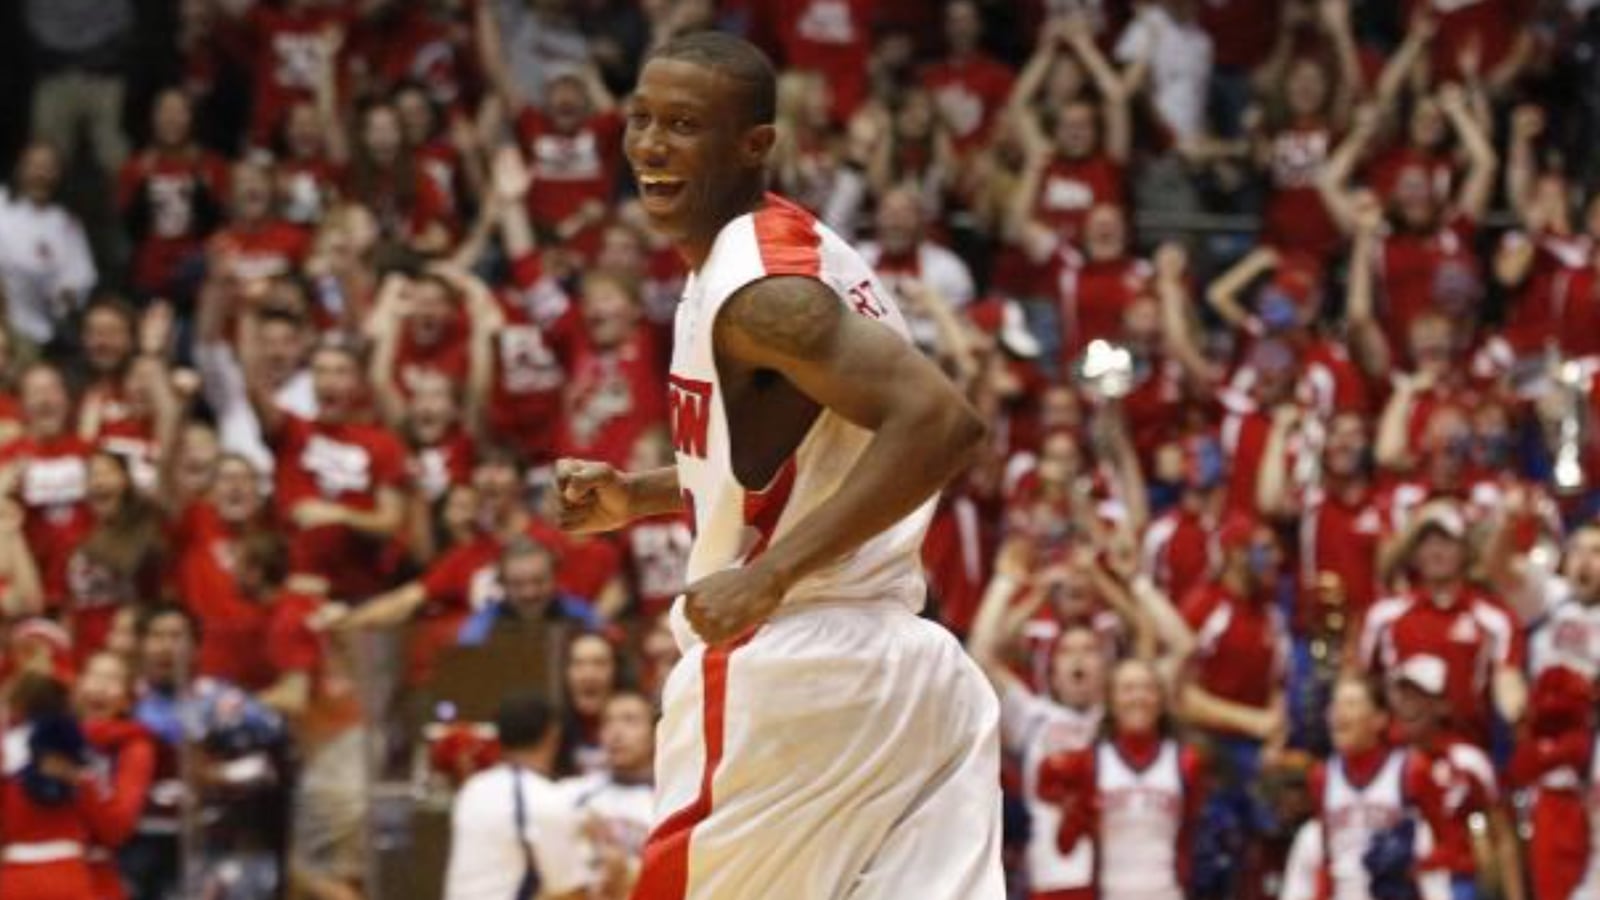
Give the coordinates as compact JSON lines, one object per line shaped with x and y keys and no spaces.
{"x":736,"y":59}
{"x":523,"y":720}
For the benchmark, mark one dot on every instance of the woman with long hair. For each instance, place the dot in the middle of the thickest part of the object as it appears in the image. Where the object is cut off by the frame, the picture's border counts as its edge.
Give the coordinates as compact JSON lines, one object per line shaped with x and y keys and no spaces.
{"x":119,"y":562}
{"x":1132,"y":795}
{"x":384,"y":176}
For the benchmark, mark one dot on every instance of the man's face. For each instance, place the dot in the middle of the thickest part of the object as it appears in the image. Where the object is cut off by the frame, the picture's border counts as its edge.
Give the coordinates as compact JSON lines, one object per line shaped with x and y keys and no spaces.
{"x":107,"y":340}
{"x":1078,"y":131}
{"x":1346,"y":451}
{"x":237,"y":491}
{"x":528,"y":581}
{"x":1438,"y":557}
{"x":899,"y":222}
{"x":45,"y":402}
{"x":431,"y":308}
{"x":962,"y":28}
{"x":622,"y":252}
{"x":609,"y":314}
{"x":685,"y":137}
{"x":282,"y":348}
{"x":1078,"y":669}
{"x":335,"y":379}
{"x":166,"y":647}
{"x":38,"y":173}
{"x":1583,"y":563}
{"x":252,"y":193}
{"x":627,"y":732}
{"x":172,"y":119}
{"x":497,"y":486}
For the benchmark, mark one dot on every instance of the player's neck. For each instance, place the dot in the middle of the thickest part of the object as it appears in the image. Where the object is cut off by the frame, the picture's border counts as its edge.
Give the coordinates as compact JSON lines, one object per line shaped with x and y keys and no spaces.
{"x":534,"y":760}
{"x":696,"y":248}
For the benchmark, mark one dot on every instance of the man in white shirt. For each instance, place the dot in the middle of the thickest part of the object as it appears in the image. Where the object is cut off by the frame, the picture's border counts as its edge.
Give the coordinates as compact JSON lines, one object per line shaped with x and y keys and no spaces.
{"x":617,"y":805}
{"x":45,"y":267}
{"x":913,"y":266}
{"x":514,"y":835}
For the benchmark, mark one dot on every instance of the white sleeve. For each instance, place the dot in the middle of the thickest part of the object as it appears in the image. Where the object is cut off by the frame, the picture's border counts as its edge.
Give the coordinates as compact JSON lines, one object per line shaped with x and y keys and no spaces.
{"x":1133,"y":45}
{"x":475,"y":833}
{"x":558,"y":846}
{"x":1301,"y":874}
{"x":1021,"y":716}
{"x":952,"y":279}
{"x":75,"y":271}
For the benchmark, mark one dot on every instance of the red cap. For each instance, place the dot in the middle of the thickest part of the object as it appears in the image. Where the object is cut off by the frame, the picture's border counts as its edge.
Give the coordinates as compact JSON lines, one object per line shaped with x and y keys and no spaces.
{"x":1238,"y":532}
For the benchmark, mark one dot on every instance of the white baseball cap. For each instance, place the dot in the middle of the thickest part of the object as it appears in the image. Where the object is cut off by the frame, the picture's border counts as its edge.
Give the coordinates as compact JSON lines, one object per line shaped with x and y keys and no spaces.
{"x":1425,"y":672}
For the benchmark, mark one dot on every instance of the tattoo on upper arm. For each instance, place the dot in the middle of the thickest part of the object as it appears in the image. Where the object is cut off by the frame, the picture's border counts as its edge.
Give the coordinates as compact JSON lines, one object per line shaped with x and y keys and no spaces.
{"x":792,"y":316}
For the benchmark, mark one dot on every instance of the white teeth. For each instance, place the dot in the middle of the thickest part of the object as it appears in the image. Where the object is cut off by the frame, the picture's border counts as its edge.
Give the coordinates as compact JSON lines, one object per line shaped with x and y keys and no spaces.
{"x":658,"y":180}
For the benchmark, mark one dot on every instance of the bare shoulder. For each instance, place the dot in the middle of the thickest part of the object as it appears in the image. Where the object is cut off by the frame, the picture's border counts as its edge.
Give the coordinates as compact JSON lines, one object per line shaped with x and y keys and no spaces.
{"x":788,"y":316}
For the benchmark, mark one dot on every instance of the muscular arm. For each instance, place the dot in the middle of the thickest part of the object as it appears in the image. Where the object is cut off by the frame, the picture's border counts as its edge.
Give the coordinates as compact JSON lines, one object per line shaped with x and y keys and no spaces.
{"x":923,"y":430}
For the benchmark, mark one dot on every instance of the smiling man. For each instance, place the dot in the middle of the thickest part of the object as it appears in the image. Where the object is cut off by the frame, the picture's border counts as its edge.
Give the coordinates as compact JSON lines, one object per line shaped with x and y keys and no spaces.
{"x":818,"y":739}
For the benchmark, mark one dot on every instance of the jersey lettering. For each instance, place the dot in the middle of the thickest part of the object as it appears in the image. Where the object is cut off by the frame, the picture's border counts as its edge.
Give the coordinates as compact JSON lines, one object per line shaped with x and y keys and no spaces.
{"x":689,"y":408}
{"x":338,"y":468}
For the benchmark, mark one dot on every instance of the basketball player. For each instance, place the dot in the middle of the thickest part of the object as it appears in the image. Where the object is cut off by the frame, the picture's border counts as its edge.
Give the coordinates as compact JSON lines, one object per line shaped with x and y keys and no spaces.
{"x":818,"y":738}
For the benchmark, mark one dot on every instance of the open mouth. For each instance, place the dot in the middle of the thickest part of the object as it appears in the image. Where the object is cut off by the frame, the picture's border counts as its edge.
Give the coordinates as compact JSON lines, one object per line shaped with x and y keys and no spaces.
{"x":659,"y":189}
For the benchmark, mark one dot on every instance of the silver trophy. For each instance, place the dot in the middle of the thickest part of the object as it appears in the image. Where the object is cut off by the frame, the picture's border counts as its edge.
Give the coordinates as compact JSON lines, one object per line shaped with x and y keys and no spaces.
{"x":1566,"y":422}
{"x":1108,"y":371}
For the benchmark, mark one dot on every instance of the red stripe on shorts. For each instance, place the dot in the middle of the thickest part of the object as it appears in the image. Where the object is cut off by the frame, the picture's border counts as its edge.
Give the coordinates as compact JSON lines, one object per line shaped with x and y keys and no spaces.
{"x":664,"y":874}
{"x":787,"y":237}
{"x":763,"y":509}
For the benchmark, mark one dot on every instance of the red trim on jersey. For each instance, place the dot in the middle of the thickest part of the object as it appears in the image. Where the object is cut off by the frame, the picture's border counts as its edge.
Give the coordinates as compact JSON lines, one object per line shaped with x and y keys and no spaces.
{"x":664,"y":873}
{"x":763,"y":509}
{"x":787,"y":237}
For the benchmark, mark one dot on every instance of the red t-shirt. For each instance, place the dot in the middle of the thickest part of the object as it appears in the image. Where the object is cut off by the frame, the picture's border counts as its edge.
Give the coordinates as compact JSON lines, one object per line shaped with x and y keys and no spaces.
{"x":832,"y":37}
{"x":1473,"y":635}
{"x":570,"y":169}
{"x":1439,"y":167}
{"x":464,"y":578}
{"x":413,"y":45}
{"x":658,"y":560}
{"x":401,"y":217}
{"x":530,"y":354}
{"x":969,"y":93}
{"x":293,"y":645}
{"x":1492,"y":24}
{"x":263,"y":251}
{"x":436,"y":468}
{"x":1242,"y":31}
{"x":1177,"y":551}
{"x":232,"y":626}
{"x":1339,"y":536}
{"x":1093,"y":296}
{"x":289,"y":51}
{"x":1239,"y":644}
{"x":1068,"y":189}
{"x":53,"y":487}
{"x":171,"y":203}
{"x":449,"y":355}
{"x":348,"y":464}
{"x":612,"y":397}
{"x":1295,"y":215}
{"x":1410,"y":266}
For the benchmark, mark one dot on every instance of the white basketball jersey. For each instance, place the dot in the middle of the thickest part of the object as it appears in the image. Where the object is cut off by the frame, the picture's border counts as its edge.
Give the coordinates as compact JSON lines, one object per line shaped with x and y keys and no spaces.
{"x":1141,"y":815}
{"x":1352,"y":814}
{"x":733,"y":525}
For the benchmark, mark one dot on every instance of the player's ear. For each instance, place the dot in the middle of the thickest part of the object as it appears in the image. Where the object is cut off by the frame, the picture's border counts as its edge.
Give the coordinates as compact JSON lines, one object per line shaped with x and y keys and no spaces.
{"x":757,"y":144}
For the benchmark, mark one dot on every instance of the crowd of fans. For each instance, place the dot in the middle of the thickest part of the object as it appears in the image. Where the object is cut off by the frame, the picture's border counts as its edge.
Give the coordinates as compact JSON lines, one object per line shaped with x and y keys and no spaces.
{"x":1285,"y":316}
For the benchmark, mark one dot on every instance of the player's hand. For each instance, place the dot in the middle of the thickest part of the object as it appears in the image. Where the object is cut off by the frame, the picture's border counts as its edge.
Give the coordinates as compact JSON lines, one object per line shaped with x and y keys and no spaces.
{"x":594,"y":496}
{"x":725,"y":605}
